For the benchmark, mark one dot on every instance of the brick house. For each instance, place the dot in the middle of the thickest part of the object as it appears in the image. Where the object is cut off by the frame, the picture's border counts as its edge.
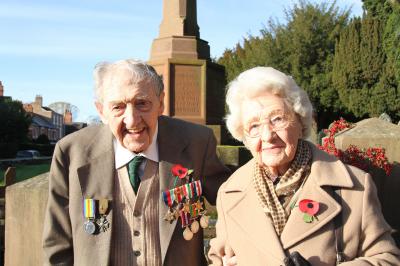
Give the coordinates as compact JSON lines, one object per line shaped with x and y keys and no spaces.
{"x":44,"y":121}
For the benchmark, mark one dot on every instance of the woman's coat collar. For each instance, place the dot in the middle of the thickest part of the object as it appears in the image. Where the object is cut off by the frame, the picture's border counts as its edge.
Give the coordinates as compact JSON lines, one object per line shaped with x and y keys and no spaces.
{"x":326,"y":171}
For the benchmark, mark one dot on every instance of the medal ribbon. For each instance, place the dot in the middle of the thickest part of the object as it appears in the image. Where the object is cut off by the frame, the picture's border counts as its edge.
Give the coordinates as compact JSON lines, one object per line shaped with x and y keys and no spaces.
{"x":188,"y":191}
{"x":184,"y":218}
{"x":171,"y":193}
{"x":103,"y":206}
{"x":184,"y":191}
{"x":198,"y":188}
{"x":89,"y":208}
{"x":193,"y":189}
{"x":167,"y":197}
{"x":178,"y":194}
{"x":193,"y":212}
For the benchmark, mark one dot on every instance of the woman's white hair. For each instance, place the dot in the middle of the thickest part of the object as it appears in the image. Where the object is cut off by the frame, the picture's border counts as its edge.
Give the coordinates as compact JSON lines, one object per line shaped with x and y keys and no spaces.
{"x":134,"y":71}
{"x":256,"y":81}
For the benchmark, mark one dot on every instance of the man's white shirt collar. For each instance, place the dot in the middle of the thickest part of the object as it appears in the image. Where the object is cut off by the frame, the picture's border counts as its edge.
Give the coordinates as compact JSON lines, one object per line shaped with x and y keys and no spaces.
{"x":124,"y":156}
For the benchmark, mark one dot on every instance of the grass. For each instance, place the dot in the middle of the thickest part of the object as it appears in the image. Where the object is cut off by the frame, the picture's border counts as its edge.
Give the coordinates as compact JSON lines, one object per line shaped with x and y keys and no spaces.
{"x":24,"y":171}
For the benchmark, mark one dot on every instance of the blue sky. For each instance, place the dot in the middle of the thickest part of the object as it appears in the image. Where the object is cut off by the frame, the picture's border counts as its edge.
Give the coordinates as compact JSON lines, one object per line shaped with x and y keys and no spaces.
{"x":50,"y":47}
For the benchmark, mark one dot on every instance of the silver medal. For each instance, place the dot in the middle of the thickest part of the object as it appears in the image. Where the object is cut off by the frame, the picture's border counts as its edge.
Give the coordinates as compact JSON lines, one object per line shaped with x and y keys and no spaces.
{"x":89,"y":227}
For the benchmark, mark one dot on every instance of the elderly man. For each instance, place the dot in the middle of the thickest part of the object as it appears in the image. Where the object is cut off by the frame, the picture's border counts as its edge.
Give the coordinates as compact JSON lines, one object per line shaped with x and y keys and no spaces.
{"x":97,"y":213}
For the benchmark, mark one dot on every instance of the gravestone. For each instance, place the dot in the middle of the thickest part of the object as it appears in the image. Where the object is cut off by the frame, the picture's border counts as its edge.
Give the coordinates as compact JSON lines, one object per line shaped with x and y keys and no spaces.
{"x":194,"y":86}
{"x":372,"y":132}
{"x":375,"y":132}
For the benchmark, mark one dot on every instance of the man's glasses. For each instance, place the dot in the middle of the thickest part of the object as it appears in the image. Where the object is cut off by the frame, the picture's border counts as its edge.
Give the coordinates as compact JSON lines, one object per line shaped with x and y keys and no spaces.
{"x":276,"y":120}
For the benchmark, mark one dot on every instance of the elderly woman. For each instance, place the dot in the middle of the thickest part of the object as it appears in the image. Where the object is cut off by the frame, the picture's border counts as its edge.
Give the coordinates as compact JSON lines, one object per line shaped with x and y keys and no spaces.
{"x":292,"y":204}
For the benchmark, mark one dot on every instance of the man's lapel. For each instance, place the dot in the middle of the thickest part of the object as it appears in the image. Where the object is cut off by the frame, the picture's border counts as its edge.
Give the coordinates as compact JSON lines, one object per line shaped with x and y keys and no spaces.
{"x":166,"y":228}
{"x":96,"y":179}
{"x":326,"y":174}
{"x":171,"y":147}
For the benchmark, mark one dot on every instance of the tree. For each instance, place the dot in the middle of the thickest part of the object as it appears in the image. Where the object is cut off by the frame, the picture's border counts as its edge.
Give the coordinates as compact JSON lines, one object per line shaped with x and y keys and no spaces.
{"x":378,"y":8}
{"x":346,"y":75}
{"x":14,"y":127}
{"x":365,"y":69}
{"x":42,"y":139}
{"x":307,"y":43}
{"x":391,"y":41}
{"x":304,"y":47}
{"x":349,"y":69}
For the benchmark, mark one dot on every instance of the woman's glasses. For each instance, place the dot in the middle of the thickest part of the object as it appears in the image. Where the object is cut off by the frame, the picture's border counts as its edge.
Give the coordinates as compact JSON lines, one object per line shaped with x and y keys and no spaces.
{"x":275,"y":120}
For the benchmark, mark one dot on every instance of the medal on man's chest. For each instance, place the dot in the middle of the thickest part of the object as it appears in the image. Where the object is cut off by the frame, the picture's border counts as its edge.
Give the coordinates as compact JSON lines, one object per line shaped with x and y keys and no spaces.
{"x":102,"y":222}
{"x":185,"y":202}
{"x":89,"y":212}
{"x":95,"y":214}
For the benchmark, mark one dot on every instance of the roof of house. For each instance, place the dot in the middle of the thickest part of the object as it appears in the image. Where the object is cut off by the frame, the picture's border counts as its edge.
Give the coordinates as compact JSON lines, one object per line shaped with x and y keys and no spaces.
{"x":41,"y":121}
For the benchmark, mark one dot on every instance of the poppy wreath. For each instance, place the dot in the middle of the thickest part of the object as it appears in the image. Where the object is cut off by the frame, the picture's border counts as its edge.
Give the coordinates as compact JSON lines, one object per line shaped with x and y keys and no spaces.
{"x":364,"y":159}
{"x":310,"y":208}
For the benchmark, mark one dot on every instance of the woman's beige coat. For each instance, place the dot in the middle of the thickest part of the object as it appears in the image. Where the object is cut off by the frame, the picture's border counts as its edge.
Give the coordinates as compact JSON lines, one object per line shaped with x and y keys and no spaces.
{"x":246,"y":231}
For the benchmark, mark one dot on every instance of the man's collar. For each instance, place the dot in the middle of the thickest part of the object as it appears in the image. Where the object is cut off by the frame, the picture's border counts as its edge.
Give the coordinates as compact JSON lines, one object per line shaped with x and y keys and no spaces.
{"x":124,"y":156}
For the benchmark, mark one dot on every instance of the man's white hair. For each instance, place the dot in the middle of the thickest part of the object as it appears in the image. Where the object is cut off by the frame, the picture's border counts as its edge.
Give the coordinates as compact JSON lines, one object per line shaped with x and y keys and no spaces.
{"x":134,"y":71}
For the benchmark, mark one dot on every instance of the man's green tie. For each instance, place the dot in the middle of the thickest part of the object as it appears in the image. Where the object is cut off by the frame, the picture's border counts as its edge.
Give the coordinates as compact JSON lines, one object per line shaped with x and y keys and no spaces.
{"x":133,"y":168}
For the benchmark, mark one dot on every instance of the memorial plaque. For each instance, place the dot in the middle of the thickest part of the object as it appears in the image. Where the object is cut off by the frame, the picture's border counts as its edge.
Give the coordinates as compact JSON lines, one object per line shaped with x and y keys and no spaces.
{"x":186,"y":96}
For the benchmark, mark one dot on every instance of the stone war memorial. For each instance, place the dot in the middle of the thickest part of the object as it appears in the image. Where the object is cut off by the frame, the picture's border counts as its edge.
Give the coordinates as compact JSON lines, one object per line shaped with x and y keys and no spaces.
{"x":194,"y":86}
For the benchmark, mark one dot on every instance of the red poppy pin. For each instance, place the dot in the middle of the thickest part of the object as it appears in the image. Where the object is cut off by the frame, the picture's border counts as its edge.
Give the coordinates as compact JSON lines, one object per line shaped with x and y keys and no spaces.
{"x":180,"y":171}
{"x":310,"y":209}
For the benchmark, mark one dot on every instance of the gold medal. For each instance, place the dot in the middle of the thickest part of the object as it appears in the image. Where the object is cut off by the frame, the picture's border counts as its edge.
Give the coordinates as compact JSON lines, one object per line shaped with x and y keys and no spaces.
{"x":199,"y":205}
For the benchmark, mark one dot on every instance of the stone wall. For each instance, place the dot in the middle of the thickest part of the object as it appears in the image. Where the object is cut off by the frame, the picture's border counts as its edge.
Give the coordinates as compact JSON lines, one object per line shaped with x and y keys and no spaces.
{"x":9,"y":179}
{"x":25,"y":208}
